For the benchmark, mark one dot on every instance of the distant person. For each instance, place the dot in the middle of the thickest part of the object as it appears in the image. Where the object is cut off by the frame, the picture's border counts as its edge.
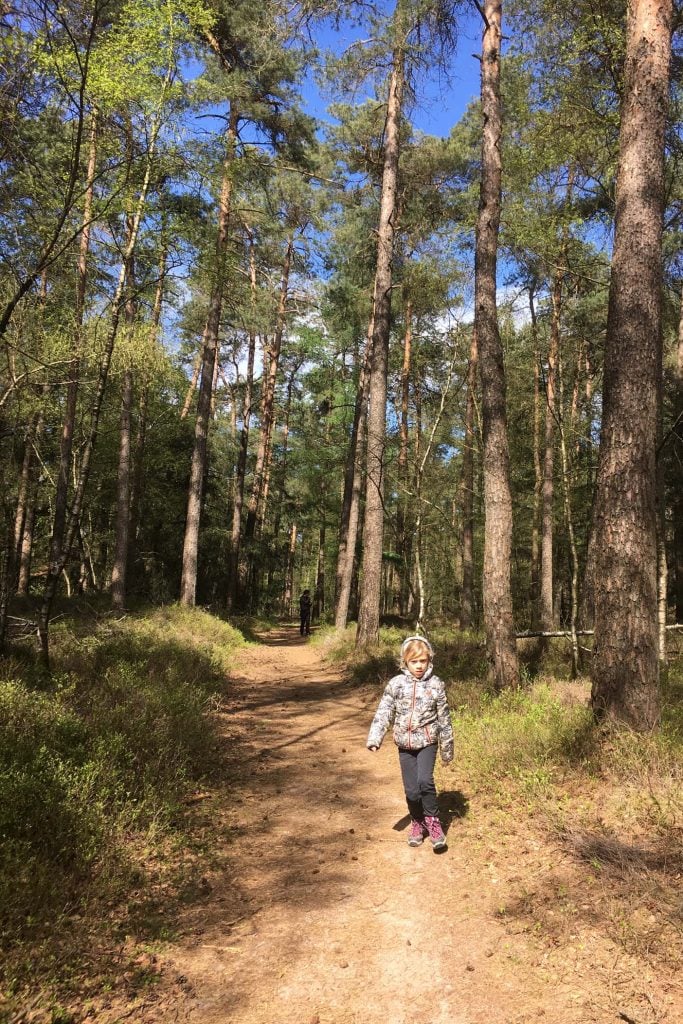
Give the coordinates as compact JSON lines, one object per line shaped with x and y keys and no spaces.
{"x":305,"y":613}
{"x":416,"y":703}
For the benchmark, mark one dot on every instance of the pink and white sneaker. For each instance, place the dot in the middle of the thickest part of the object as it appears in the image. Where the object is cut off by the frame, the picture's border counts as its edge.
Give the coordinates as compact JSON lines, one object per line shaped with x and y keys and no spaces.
{"x":416,"y":834}
{"x":435,"y":832}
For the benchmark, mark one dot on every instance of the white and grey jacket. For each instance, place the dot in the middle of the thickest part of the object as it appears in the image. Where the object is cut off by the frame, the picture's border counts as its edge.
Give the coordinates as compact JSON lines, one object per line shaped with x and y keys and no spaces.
{"x":419,"y":711}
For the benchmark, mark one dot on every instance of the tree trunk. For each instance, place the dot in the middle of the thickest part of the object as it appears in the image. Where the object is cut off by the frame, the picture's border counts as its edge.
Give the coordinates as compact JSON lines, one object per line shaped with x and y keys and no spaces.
{"x":538,"y":477}
{"x":350,"y":511}
{"x":678,"y":497}
{"x":188,"y":583}
{"x":268,"y":405}
{"x":285,"y":452}
{"x":625,"y":663}
{"x":56,"y":567}
{"x":26,"y":506}
{"x":501,"y":649}
{"x":547,"y":614}
{"x":141,"y":433}
{"x":373,"y":529}
{"x":240,"y":475}
{"x":122,"y":531}
{"x":192,"y":386}
{"x":66,"y":443}
{"x":403,"y":531}
{"x":567,"y":485}
{"x":467,"y":596}
{"x":123,"y":488}
{"x":289,"y":572}
{"x":319,"y":603}
{"x":24,"y":491}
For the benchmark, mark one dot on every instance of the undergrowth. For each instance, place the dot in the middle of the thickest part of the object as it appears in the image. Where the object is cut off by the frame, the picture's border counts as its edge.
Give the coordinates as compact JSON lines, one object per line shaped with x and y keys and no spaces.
{"x":101,"y":755}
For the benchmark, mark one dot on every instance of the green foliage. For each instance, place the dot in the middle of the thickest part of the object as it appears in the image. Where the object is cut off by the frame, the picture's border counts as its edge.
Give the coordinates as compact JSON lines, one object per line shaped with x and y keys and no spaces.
{"x":111,"y":749}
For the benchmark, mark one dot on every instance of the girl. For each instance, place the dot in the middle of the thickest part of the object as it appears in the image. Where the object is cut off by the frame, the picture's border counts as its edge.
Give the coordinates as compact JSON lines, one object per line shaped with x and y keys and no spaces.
{"x":416,"y":702}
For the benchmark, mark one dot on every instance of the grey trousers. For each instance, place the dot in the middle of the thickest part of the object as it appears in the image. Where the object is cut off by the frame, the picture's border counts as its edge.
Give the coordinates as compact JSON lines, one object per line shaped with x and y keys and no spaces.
{"x":417,"y":772}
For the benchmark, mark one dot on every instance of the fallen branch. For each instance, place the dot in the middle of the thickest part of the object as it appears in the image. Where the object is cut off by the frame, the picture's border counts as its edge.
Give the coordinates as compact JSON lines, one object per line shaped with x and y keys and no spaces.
{"x":565,"y":632}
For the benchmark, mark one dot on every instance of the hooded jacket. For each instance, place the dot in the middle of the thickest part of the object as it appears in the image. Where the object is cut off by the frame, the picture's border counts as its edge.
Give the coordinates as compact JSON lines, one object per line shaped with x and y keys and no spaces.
{"x":419,"y":711}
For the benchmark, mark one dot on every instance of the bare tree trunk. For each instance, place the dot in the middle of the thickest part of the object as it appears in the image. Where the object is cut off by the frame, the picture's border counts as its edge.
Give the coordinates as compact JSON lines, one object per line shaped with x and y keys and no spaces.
{"x":567,"y":485}
{"x":24,"y":522}
{"x":678,"y":498}
{"x":373,"y":529}
{"x":118,"y":574}
{"x":66,"y":444}
{"x":268,"y":403}
{"x":547,"y":615}
{"x":188,"y":583}
{"x":122,"y":529}
{"x":350,"y":512}
{"x":24,"y":490}
{"x":289,"y":572}
{"x":285,"y":450}
{"x":538,"y":477}
{"x":500,"y":638}
{"x":319,"y":603}
{"x":192,"y":387}
{"x":240,"y":476}
{"x":403,"y":531}
{"x":467,"y":597}
{"x":26,"y":552}
{"x":625,"y":663}
{"x":141,"y":433}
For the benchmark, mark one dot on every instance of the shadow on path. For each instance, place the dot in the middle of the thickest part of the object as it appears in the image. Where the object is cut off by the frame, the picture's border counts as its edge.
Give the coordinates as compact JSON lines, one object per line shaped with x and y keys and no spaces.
{"x":284,"y":636}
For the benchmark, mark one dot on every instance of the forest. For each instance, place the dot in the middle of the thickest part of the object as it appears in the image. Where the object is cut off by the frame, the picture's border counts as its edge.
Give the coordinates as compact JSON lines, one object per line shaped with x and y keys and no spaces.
{"x":246,"y":351}
{"x":262,"y":332}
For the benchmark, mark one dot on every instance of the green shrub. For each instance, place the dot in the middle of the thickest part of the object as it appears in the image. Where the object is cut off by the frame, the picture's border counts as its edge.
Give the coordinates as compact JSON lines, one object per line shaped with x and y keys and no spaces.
{"x":517,"y":734}
{"x":113,"y":745}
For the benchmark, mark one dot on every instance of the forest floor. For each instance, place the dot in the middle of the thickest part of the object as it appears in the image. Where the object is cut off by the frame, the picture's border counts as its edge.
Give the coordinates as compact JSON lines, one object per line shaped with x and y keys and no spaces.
{"x":312,"y":909}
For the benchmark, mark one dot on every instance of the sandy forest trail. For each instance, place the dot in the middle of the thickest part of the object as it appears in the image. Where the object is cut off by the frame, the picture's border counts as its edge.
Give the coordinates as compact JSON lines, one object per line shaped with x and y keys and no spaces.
{"x":316,"y":910}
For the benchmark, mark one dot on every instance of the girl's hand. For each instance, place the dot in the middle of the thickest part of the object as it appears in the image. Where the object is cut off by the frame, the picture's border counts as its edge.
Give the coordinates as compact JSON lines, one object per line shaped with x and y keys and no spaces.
{"x":373,"y":749}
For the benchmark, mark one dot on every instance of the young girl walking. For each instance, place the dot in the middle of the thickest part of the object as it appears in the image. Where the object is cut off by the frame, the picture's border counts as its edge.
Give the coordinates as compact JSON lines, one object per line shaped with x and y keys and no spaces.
{"x":416,"y":703}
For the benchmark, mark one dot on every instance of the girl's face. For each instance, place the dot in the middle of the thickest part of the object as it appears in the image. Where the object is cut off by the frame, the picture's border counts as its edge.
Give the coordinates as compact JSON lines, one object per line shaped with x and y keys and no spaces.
{"x":417,"y":662}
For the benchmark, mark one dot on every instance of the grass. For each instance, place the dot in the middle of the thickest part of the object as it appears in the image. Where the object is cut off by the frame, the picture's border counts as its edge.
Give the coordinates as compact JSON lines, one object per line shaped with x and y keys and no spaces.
{"x":95,"y":766}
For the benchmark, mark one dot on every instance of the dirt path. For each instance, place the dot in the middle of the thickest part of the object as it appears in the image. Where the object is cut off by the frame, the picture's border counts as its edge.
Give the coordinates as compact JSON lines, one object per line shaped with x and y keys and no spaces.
{"x":316,"y":910}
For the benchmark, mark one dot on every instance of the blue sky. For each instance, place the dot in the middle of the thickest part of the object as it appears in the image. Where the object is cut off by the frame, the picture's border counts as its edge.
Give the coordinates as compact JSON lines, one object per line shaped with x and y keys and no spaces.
{"x":441,"y":99}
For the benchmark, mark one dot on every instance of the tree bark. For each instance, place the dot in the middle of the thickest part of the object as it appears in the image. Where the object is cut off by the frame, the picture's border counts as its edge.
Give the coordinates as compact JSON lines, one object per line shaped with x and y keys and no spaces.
{"x":678,"y":498}
{"x":289,"y":572}
{"x":350,"y":512}
{"x":498,"y":621}
{"x":123,"y":482}
{"x":403,"y":531}
{"x":122,"y":530}
{"x":143,"y":406}
{"x":24,"y":490}
{"x":625,"y":662}
{"x":268,"y":405}
{"x":467,"y":596}
{"x":66,"y":443}
{"x":188,"y":583}
{"x":192,"y":386}
{"x":538,"y":477}
{"x":240,"y":475}
{"x":547,"y":613}
{"x":319,"y":603}
{"x":567,"y":485}
{"x":373,"y":528}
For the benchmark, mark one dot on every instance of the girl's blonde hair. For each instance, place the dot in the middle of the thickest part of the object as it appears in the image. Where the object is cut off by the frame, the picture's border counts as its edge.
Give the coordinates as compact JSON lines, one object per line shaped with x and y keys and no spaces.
{"x":411,"y":643}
